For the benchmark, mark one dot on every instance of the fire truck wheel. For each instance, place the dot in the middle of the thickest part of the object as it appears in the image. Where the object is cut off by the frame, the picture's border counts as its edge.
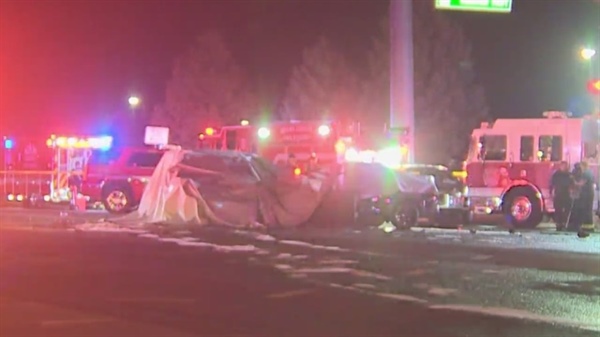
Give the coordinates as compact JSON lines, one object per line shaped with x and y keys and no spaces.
{"x":523,"y":208}
{"x":117,"y":199}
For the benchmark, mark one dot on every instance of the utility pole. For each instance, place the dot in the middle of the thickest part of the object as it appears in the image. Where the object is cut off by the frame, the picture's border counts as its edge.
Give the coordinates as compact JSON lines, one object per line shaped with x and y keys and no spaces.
{"x":402,"y":113}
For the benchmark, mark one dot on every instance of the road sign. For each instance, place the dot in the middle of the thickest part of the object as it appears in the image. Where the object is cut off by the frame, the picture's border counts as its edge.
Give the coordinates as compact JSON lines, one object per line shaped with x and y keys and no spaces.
{"x":156,"y":135}
{"x":497,"y":6}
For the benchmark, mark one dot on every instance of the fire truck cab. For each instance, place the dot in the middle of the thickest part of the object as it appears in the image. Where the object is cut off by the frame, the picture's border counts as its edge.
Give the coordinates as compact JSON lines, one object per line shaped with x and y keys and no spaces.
{"x":305,"y":141}
{"x":511,"y":162}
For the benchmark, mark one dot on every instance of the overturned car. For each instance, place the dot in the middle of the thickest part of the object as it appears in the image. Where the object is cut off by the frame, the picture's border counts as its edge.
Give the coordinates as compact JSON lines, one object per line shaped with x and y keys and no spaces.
{"x":227,"y":188}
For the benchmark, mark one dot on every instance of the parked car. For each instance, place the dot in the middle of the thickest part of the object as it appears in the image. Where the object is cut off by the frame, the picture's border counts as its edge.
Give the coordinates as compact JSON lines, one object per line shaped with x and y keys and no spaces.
{"x":117,"y":178}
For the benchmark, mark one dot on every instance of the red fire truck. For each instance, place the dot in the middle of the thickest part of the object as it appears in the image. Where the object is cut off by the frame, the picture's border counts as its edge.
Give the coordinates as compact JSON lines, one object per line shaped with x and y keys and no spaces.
{"x":511,"y":161}
{"x":276,"y":141}
{"x":39,"y":169}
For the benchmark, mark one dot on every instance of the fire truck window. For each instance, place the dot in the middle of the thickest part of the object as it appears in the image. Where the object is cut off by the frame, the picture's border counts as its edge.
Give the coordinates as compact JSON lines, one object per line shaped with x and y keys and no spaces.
{"x":493,"y":147}
{"x":144,"y":159}
{"x":527,"y":151}
{"x":104,"y":157}
{"x":231,"y":140}
{"x":550,"y":148}
{"x":590,"y":150}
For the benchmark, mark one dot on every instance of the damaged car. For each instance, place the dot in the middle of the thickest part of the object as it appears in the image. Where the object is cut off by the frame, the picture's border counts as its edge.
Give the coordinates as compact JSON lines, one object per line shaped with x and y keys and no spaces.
{"x":227,"y":188}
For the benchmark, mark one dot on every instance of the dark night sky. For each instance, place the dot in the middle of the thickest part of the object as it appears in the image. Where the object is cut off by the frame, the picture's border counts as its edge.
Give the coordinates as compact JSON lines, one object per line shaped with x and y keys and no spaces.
{"x":76,"y":62}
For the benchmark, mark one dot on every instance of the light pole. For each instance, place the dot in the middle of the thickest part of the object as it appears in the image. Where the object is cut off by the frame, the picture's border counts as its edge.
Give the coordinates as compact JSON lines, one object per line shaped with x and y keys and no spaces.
{"x":133,"y":119}
{"x":402,"y":112}
{"x":134,"y":102}
{"x":588,"y":55}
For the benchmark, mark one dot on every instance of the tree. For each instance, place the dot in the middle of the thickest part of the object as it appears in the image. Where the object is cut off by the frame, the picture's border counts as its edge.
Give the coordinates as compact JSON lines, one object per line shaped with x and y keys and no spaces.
{"x":449,"y":102}
{"x":323,"y":86}
{"x":207,"y":88}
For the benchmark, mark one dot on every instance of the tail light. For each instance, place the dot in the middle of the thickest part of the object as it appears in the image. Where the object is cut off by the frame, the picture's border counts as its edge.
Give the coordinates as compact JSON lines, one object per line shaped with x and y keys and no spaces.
{"x":297,"y":171}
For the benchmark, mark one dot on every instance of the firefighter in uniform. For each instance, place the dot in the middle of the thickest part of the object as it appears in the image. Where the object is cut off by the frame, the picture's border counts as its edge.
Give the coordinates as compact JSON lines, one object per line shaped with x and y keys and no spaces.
{"x":292,"y":162}
{"x":559,"y":189}
{"x":313,"y":163}
{"x":587,"y":194}
{"x":580,"y":194}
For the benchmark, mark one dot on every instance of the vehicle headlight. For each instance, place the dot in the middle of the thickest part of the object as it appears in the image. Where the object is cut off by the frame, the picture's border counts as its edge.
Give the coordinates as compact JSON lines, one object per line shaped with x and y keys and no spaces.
{"x":324,"y":130}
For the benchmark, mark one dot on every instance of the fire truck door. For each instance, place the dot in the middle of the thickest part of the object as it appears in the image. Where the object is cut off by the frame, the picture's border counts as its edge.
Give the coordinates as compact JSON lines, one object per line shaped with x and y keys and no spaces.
{"x":230,"y":140}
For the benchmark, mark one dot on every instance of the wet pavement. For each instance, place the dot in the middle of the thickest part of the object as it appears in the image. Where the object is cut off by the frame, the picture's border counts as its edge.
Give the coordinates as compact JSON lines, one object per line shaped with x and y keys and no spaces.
{"x":214,"y":282}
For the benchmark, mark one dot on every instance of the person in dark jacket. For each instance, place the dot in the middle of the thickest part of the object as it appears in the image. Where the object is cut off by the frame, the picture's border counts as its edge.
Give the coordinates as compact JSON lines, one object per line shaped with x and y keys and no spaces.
{"x":580,"y":197}
{"x":587,"y":195}
{"x":560,"y":191}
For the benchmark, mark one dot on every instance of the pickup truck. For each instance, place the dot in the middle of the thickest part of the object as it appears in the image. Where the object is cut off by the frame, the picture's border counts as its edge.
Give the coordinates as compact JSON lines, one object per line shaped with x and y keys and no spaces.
{"x":117,"y":178}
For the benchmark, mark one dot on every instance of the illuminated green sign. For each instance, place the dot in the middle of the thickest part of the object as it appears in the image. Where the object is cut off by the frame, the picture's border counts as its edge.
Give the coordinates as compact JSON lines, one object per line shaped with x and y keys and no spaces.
{"x":498,"y":6}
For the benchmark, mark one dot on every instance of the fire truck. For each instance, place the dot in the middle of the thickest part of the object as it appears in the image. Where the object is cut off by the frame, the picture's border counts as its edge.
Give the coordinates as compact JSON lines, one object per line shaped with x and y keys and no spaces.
{"x":511,"y":162}
{"x":277,"y":141}
{"x":33,"y":170}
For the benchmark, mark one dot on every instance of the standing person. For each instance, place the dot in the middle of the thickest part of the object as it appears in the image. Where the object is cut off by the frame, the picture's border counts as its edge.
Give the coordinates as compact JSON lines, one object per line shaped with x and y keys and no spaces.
{"x":576,"y":215}
{"x":587,"y":195}
{"x":313,"y":163}
{"x":559,"y":190}
{"x":292,"y":162}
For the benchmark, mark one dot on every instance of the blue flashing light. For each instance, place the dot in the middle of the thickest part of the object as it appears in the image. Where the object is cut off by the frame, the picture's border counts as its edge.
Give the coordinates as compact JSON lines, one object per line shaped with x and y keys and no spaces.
{"x":8,"y":143}
{"x":102,"y":143}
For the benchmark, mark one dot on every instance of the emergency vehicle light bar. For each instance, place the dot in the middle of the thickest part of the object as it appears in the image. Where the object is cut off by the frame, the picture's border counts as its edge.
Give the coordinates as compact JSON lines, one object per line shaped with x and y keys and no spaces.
{"x":97,"y":143}
{"x":264,"y":133}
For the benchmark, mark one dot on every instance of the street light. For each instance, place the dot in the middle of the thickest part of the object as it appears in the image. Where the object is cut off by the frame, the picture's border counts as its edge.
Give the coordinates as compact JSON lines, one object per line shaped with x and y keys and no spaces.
{"x":134,"y":101}
{"x":587,"y":53}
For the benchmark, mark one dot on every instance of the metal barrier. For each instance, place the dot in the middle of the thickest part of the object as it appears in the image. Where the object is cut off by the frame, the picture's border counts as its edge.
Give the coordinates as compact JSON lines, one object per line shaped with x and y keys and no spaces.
{"x":49,"y":185}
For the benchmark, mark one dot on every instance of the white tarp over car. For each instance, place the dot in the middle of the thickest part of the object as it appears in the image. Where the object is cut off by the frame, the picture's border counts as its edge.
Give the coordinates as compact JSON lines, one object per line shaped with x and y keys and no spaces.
{"x":226,"y":188}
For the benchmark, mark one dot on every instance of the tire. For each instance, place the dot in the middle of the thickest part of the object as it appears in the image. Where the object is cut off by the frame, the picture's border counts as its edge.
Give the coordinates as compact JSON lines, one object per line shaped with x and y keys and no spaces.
{"x":523,"y":208}
{"x":404,"y":216}
{"x":117,"y":199}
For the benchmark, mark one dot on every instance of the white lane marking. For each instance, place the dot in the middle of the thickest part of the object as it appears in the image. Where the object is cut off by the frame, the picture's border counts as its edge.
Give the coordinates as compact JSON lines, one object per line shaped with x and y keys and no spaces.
{"x":292,"y":293}
{"x":400,"y":297}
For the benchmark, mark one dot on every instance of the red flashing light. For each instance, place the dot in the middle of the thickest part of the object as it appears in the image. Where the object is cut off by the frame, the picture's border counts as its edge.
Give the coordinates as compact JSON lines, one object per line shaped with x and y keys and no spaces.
{"x":594,"y":86}
{"x":209,"y":131}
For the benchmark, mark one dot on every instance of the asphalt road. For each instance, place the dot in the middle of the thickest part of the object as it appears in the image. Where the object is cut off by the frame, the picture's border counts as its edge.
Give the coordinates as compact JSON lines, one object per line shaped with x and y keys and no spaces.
{"x":88,"y":282}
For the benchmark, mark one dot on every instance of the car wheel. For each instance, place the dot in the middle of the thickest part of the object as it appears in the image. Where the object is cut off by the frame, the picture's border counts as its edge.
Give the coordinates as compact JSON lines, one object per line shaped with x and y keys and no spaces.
{"x":117,"y":200}
{"x":405,"y":217}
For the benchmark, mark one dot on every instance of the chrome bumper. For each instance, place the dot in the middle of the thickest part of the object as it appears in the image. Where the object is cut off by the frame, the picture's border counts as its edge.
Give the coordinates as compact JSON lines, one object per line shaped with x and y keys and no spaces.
{"x":485,"y":205}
